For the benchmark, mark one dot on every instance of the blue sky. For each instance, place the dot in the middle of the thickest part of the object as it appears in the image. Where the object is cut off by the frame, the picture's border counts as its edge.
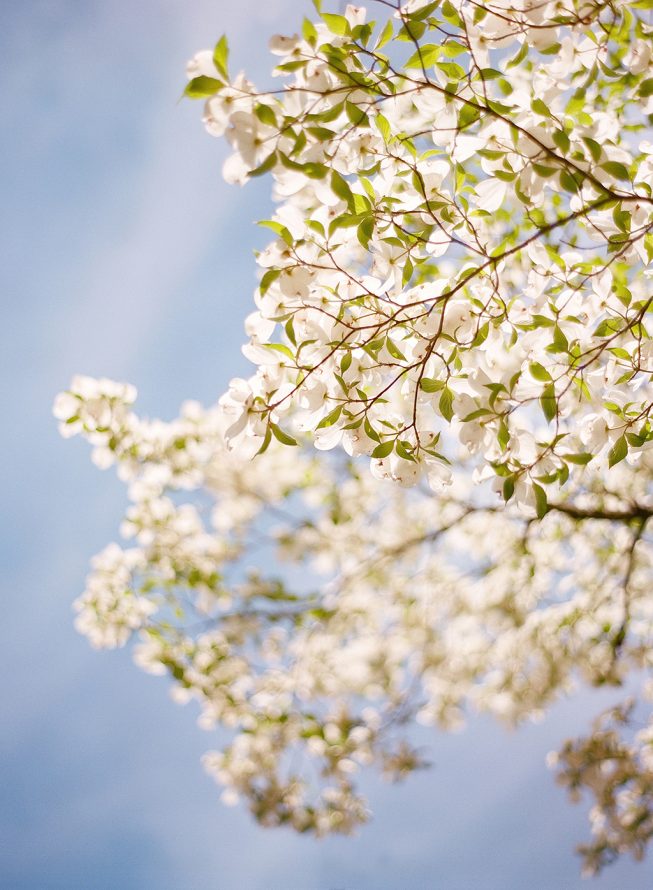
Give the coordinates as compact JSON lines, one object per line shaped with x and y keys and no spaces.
{"x":126,"y":256}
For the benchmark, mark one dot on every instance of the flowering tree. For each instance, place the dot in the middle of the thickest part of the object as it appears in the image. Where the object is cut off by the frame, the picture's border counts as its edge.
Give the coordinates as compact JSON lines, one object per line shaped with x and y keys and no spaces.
{"x":457,"y":296}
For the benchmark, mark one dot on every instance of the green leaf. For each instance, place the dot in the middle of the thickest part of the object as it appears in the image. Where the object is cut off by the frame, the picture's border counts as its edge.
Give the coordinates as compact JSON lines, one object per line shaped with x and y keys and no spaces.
{"x":279,"y":228}
{"x":361,"y":204}
{"x":403,"y":451}
{"x":331,"y":418}
{"x":308,"y":32}
{"x":340,"y":188}
{"x":563,"y":474}
{"x":467,"y":115}
{"x":568,"y":182}
{"x":452,"y":49}
{"x":290,"y":331}
{"x":428,"y":384}
{"x":508,"y":488}
{"x":618,"y":451}
{"x":310,"y":169}
{"x":410,"y":32}
{"x":445,"y":404}
{"x":384,"y":127}
{"x":345,"y":221}
{"x":452,"y":69}
{"x":521,"y":55}
{"x":385,"y":35}
{"x":548,"y":402}
{"x":539,"y":372}
{"x":540,"y":220}
{"x":321,"y":133}
{"x":541,"y":503}
{"x":614,"y":168}
{"x":480,"y":412}
{"x":622,"y":219}
{"x":481,"y":335}
{"x":265,"y":166}
{"x":268,"y":278}
{"x":280,"y":347}
{"x":266,"y":442}
{"x":365,"y":231}
{"x":503,"y":436}
{"x":424,"y":12}
{"x":314,"y":170}
{"x":202,"y":87}
{"x":560,"y":342}
{"x":356,"y":115}
{"x":548,"y":478}
{"x":394,"y":350}
{"x":608,"y":327}
{"x":539,"y":107}
{"x":580,"y":459}
{"x":407,"y":272}
{"x":383,"y":450}
{"x":337,"y":24}
{"x":648,"y":244}
{"x":221,"y":56}
{"x":595,"y":149}
{"x":489,"y":73}
{"x":282,"y":437}
{"x":561,"y":140}
{"x":300,"y":142}
{"x":332,"y":113}
{"x":425,"y":56}
{"x":543,"y":171}
{"x":646,"y":87}
{"x":450,"y":13}
{"x":266,"y":115}
{"x":370,"y":431}
{"x":499,"y":107}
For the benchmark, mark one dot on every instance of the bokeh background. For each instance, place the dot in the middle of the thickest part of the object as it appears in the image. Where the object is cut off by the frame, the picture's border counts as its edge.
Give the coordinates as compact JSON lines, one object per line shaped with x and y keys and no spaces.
{"x":125,"y":255}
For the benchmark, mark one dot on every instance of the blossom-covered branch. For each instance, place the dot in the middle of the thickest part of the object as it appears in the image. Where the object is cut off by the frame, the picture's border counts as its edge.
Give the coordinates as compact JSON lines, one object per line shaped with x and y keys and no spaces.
{"x":464,"y":238}
{"x":457,"y":294}
{"x":409,"y":606}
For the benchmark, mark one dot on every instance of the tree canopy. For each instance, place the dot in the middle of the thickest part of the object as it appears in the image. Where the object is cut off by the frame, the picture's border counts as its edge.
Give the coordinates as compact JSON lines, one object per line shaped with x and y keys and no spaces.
{"x":456,"y":297}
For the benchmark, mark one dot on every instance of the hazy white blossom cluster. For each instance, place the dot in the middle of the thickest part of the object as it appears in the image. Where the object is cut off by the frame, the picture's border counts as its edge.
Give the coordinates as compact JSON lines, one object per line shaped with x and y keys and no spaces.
{"x":315,"y":611}
{"x":458,"y":291}
{"x":616,"y":763}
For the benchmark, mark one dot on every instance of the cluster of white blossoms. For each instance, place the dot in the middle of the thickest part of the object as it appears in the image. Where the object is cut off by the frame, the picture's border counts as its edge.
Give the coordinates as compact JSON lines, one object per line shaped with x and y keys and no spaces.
{"x":463,"y":242}
{"x":459,"y":290}
{"x":315,"y":612}
{"x":619,"y":773}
